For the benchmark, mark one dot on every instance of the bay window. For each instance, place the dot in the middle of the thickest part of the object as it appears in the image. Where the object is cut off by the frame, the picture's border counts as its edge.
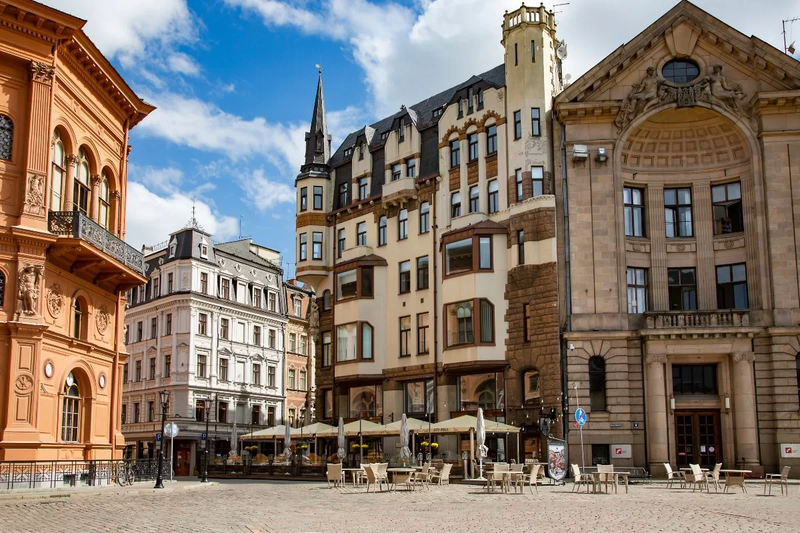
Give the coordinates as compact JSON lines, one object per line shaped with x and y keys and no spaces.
{"x":354,"y":341}
{"x":463,"y":327}
{"x":466,"y":255}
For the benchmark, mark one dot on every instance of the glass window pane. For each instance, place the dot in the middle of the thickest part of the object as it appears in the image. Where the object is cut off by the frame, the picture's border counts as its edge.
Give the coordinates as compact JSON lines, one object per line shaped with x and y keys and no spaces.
{"x":673,"y":277}
{"x":641,"y":276}
{"x":366,"y":341}
{"x":669,"y":197}
{"x":637,"y":196}
{"x":684,"y":196}
{"x":687,"y":276}
{"x":631,"y":276}
{"x":458,"y":256}
{"x":739,"y":272}
{"x":485,"y":252}
{"x":723,"y":274}
{"x":740,"y":296}
{"x":734,"y":191}
{"x":626,"y":195}
{"x":346,"y":284}
{"x":718,"y":193}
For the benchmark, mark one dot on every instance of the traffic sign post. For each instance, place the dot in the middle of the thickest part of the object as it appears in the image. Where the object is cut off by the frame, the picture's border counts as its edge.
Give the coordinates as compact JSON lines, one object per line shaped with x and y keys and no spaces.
{"x":580,"y":416}
{"x":171,"y":430}
{"x":580,"y":419}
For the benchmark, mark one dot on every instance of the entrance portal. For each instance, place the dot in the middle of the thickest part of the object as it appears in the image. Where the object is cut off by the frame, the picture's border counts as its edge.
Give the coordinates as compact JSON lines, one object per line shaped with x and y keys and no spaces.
{"x":697,"y":438}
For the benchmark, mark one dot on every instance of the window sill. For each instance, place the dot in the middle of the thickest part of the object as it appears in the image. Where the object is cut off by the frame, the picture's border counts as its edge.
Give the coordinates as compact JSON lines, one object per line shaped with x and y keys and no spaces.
{"x":404,"y":355}
{"x":424,"y":353}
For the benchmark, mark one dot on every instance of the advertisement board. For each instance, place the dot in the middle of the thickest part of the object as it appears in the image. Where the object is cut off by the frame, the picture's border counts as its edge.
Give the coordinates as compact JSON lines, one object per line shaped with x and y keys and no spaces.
{"x":556,"y":459}
{"x":621,"y":451}
{"x":790,"y":450}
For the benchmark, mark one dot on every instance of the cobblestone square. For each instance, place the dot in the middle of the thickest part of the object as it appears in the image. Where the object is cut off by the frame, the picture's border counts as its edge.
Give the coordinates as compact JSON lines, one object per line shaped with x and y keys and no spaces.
{"x":270,"y":506}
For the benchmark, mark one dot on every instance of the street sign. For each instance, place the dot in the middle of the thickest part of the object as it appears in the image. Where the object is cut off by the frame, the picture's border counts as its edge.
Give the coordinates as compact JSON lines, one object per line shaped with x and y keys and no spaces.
{"x":171,"y":430}
{"x":580,"y":416}
{"x":158,"y":437}
{"x":204,"y":436}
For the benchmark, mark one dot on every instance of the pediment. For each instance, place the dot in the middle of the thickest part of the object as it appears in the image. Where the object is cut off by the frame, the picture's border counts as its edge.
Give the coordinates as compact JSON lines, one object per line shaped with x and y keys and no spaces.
{"x":686,"y":31}
{"x":225,"y":351}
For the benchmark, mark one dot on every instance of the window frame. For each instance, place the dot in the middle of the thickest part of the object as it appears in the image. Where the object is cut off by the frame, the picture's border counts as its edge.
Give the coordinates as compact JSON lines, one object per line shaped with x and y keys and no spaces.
{"x":598,"y":384}
{"x":676,"y":209}
{"x":303,"y":252}
{"x":637,"y":287}
{"x":359,"y":339}
{"x":422,"y":333}
{"x":474,"y":200}
{"x":404,"y":339}
{"x":341,"y":242}
{"x":455,"y":204}
{"x":404,"y":277}
{"x":536,"y":122}
{"x":493,"y":196}
{"x":517,"y":125}
{"x":476,"y":255}
{"x":681,"y":289}
{"x":402,"y":225}
{"x":476,"y":326}
{"x":721,"y":287}
{"x":472,"y":146}
{"x":342,"y":194}
{"x":397,"y":172}
{"x":537,"y":180}
{"x":383,"y":230}
{"x":316,"y":246}
{"x":411,"y":168}
{"x":303,"y":199}
{"x":363,"y":188}
{"x":424,"y":217}
{"x":326,"y":349}
{"x":423,"y":270}
{"x":317,"y":194}
{"x":631,"y":208}
{"x":520,"y":247}
{"x":455,"y":154}
{"x":361,"y":234}
{"x":491,"y":140}
{"x":727,"y":204}
{"x":518,"y":190}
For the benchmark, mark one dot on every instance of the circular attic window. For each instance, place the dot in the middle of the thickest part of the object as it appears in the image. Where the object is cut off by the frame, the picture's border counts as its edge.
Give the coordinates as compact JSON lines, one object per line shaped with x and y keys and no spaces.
{"x":681,"y":71}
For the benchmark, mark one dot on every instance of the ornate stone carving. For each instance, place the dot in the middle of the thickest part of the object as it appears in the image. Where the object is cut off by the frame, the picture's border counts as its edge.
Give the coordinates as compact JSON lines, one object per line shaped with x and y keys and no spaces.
{"x":28,"y":294}
{"x":42,"y":72}
{"x":102,"y":319}
{"x":71,"y":159}
{"x":95,"y":180}
{"x":656,"y":359}
{"x":313,"y":318}
{"x":24,"y":384}
{"x":748,"y":357}
{"x":34,"y":195}
{"x":655,"y":90}
{"x":54,"y":300}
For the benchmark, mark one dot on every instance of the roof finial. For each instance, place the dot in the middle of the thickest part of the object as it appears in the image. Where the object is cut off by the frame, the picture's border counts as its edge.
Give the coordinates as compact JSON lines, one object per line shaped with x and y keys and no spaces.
{"x":193,"y":221}
{"x":319,"y":68}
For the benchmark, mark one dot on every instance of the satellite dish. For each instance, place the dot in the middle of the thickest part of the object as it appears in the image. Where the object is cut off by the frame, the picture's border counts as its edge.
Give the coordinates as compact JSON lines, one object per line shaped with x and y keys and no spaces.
{"x":561,"y":50}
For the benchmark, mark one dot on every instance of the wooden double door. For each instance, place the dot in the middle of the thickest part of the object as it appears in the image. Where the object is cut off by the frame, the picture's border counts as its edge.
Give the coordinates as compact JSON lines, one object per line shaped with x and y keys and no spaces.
{"x":697,"y":438}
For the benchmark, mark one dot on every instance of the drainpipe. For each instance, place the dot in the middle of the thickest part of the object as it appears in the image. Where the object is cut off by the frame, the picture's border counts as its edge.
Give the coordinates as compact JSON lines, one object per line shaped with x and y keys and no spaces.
{"x":116,"y":387}
{"x":567,"y":285}
{"x":644,"y":406}
{"x":435,"y":309}
{"x":334,"y":342}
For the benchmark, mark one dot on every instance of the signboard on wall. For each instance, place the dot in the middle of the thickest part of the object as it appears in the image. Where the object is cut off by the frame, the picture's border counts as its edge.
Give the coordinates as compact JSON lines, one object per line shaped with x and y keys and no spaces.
{"x":621,"y":451}
{"x":790,"y":450}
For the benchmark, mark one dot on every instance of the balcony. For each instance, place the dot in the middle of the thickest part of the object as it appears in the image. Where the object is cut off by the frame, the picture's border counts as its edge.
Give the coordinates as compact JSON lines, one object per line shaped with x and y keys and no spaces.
{"x":88,"y":250}
{"x":700,"y":323}
{"x":399,"y":190}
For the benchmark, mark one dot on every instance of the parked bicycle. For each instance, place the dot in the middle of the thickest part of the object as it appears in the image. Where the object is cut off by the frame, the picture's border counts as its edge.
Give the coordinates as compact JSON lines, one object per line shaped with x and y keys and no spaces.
{"x":125,"y":474}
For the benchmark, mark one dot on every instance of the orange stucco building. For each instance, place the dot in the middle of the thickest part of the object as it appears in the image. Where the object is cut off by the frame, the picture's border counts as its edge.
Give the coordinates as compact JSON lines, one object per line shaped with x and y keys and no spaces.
{"x":65,"y":114}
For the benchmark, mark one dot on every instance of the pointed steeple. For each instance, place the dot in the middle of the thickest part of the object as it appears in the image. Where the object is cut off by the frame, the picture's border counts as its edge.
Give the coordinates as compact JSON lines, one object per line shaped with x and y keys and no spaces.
{"x":318,"y":142}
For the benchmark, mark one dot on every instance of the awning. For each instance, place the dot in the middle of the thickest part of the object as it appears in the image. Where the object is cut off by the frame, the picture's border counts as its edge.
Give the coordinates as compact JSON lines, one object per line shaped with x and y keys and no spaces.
{"x":368,"y":429}
{"x":463,"y":424}
{"x":414,"y":426}
{"x":311,"y":430}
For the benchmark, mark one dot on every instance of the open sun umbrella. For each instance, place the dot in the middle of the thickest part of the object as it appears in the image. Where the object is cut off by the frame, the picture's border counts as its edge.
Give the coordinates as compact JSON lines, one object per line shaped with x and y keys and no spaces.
{"x":340,"y":442}
{"x":405,"y":453}
{"x":483,"y":451}
{"x":287,"y":443}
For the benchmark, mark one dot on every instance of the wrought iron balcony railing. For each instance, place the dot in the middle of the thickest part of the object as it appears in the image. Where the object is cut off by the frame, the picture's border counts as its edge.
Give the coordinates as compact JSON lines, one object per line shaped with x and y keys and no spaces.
{"x":76,"y":224}
{"x":698,"y":319}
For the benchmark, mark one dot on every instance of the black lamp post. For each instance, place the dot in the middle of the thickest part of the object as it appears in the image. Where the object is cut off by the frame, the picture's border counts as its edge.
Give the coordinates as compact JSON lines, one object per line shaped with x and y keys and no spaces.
{"x":164,"y":406}
{"x":205,"y":458}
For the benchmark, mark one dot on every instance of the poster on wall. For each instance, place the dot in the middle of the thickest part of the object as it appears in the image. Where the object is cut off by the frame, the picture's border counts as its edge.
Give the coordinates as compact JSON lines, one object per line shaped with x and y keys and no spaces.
{"x":556,"y":459}
{"x":621,"y":451}
{"x":790,"y":450}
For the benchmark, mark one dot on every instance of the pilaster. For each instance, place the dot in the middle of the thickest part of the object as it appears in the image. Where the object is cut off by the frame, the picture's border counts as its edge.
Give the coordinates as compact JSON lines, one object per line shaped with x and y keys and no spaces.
{"x":656,"y":402}
{"x":744,"y":409}
{"x":33,"y":201}
{"x":659,"y":291}
{"x":704,"y":232}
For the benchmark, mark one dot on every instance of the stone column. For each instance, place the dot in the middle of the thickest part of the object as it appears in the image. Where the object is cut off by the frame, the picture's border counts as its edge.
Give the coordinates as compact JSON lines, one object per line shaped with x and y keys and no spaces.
{"x":656,"y":401}
{"x":704,"y":232}
{"x":744,"y":409}
{"x":114,"y":212}
{"x":69,"y":186}
{"x":94,"y":208}
{"x":659,"y":292}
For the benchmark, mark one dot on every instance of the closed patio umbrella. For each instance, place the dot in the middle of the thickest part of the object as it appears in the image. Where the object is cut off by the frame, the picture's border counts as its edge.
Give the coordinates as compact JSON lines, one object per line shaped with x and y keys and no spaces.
{"x":483,"y":451}
{"x":405,"y":453}
{"x":287,"y":443}
{"x":340,"y":442}
{"x":234,"y":440}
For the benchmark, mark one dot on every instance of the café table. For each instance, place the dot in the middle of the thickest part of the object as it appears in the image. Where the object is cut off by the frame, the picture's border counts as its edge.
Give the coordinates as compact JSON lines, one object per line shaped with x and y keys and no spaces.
{"x":401,"y":475}
{"x":354,"y":472}
{"x":735,"y":478}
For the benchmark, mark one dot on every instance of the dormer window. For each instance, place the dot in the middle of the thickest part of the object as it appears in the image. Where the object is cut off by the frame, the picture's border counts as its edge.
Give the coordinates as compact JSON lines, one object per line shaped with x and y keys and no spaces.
{"x":438,"y":112}
{"x":470,"y":107}
{"x":480,"y":99}
{"x":203,"y":249}
{"x":402,"y":129}
{"x":173,"y":248}
{"x":361,"y":151}
{"x":384,"y":135}
{"x":460,"y":108}
{"x":348,"y":152}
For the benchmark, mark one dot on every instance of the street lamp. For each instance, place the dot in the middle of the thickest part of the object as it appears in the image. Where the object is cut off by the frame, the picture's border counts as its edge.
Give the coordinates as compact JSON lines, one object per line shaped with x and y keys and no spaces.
{"x":205,"y":443}
{"x":164,"y":396}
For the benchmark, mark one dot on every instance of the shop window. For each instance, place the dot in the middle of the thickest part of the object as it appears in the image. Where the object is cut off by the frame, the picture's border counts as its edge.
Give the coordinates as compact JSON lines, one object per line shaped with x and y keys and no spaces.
{"x":365,"y":401}
{"x":597,"y":383}
{"x":682,"y":289}
{"x":732,"y":286}
{"x":418,"y":397}
{"x":727,"y":203}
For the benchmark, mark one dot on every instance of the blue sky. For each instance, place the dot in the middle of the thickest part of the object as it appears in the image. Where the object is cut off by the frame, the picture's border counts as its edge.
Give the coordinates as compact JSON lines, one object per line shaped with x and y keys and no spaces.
{"x":234,"y":82}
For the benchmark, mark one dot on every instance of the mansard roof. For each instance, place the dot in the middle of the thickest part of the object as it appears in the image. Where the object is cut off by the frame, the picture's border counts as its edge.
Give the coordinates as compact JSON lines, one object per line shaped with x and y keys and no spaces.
{"x":421,"y":113}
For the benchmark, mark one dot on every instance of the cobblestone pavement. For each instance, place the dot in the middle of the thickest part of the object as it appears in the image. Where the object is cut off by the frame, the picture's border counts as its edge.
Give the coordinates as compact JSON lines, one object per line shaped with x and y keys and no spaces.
{"x":264,"y":506}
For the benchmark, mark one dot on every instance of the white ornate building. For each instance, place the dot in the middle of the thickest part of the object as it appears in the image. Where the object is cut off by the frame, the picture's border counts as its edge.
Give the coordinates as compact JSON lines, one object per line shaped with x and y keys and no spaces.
{"x":209,"y":327}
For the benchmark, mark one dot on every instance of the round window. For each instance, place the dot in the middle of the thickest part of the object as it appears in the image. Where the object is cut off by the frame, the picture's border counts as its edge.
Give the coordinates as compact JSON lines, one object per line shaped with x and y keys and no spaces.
{"x":681,"y":71}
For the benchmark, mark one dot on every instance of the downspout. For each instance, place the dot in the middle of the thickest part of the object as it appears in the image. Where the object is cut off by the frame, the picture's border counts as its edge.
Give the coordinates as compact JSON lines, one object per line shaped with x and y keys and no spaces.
{"x":334,"y":341}
{"x":567,"y":286}
{"x":115,"y":385}
{"x":435,"y":309}
{"x":644,"y":406}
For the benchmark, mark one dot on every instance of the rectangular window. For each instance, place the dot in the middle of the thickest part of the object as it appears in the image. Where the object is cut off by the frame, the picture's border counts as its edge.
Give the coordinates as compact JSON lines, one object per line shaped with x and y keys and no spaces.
{"x":125,"y":373}
{"x":201,"y":366}
{"x":424,"y":217}
{"x":473,"y":146}
{"x":303,"y":198}
{"x":487,"y":321}
{"x":537,"y":181}
{"x":405,"y":336}
{"x":327,"y":403}
{"x":533,"y":51}
{"x":518,"y":183}
{"x":255,"y":415}
{"x":520,"y":247}
{"x":156,"y":287}
{"x":422,"y":272}
{"x":124,"y":414}
{"x":151,"y":411}
{"x":405,"y":277}
{"x":153,"y":328}
{"x":223,"y":370}
{"x":361,"y":234}
{"x":202,"y":324}
{"x":494,"y":197}
{"x":694,"y":379}
{"x":256,"y":335}
{"x":365,"y":401}
{"x":682,"y":289}
{"x":474,"y":199}
{"x":397,"y":171}
{"x":517,"y":125}
{"x":152,"y":373}
{"x":256,"y":297}
{"x":303,"y":245}
{"x":270,"y":376}
{"x":316,"y":245}
{"x":139,"y":330}
{"x":204,"y":282}
{"x":318,"y":197}
{"x":678,"y":212}
{"x":298,"y":307}
{"x":491,"y":140}
{"x":301,"y":380}
{"x":136,"y":413}
{"x":419,"y":397}
{"x":366,"y":281}
{"x":270,"y":415}
{"x":422,"y":333}
{"x":170,"y":277}
{"x":727,"y":204}
{"x":271,"y":338}
{"x":732,"y":287}
{"x":342,"y":194}
{"x":292,"y":342}
{"x":138,"y":371}
{"x":346,"y":349}
{"x":382,"y":230}
{"x":366,"y":341}
{"x":225,"y":288}
{"x":346,"y":284}
{"x":455,"y":153}
{"x":633,"y":200}
{"x":167,"y":365}
{"x":458,"y":256}
{"x":361,"y":152}
{"x":411,"y":168}
{"x":272,"y":301}
{"x":224,"y":324}
{"x":637,"y":290}
{"x":402,"y":225}
{"x":168,"y":324}
{"x":291,"y":380}
{"x":326,"y":349}
{"x":341,"y":242}
{"x":536,"y":122}
{"x":302,"y":344}
{"x":363,"y":190}
{"x":485,"y":253}
{"x":455,"y":205}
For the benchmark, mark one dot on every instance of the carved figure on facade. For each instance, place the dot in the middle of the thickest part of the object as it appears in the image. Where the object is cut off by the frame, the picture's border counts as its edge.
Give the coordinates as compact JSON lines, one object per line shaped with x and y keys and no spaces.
{"x":28,"y":294}
{"x":54,"y":300}
{"x":34,"y":195}
{"x":102,"y":319}
{"x":313,"y":318}
{"x":718,"y":90}
{"x":24,"y":383}
{"x":643,"y":95}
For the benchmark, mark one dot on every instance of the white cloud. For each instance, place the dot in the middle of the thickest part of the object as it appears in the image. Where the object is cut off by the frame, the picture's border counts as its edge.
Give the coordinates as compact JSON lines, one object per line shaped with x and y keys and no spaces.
{"x":152,"y":217}
{"x":263,"y":193}
{"x":183,"y":64}
{"x":160,"y":179}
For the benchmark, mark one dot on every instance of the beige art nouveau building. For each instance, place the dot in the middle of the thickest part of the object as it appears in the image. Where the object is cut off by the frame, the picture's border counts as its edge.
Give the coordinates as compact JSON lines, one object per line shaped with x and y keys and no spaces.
{"x":299,"y":356}
{"x":429,"y":239}
{"x":678,"y":168}
{"x":65,"y":114}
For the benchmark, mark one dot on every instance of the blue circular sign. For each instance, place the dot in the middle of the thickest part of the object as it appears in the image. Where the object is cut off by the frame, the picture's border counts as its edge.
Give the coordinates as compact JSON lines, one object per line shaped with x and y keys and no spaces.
{"x":580,"y":416}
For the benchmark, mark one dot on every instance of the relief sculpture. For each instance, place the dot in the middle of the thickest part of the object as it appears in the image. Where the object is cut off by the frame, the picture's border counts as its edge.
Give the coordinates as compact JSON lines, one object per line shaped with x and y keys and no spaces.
{"x":28,"y":294}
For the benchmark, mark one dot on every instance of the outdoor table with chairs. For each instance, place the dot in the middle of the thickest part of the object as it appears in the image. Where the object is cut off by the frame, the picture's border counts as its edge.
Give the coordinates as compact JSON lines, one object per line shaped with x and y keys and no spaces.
{"x":735,"y":478}
{"x":358,"y":474}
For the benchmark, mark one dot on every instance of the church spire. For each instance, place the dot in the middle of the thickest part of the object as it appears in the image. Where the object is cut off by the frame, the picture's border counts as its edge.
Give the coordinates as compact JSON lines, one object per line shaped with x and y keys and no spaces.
{"x":318,"y":142}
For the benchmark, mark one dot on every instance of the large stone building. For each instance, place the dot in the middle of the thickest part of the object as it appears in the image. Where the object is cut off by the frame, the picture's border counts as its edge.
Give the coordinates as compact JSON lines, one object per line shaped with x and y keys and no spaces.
{"x":65,"y":114}
{"x":677,"y":166}
{"x":429,"y":238}
{"x":209,"y":327}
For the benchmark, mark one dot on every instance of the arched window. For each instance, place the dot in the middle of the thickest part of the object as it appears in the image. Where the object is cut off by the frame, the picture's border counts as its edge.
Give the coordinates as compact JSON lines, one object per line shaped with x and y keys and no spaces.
{"x":597,"y":383}
{"x":326,"y":300}
{"x":6,"y":137}
{"x":382,"y":231}
{"x":494,"y":197}
{"x":59,"y":170}
{"x":485,"y":394}
{"x":77,"y":319}
{"x":102,"y":195}
{"x":71,"y":411}
{"x":81,"y":195}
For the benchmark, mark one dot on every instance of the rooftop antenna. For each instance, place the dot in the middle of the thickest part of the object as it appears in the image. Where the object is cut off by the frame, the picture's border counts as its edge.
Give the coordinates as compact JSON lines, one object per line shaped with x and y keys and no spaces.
{"x":193,"y":221}
{"x":788,"y":49}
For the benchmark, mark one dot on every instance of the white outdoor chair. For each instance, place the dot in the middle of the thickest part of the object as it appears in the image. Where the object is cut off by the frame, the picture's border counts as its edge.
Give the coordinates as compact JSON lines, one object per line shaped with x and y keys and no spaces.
{"x":713,"y":476}
{"x":335,"y":474}
{"x":698,"y":477}
{"x":373,"y":478}
{"x":531,"y":479}
{"x":607,"y":476}
{"x":672,"y":476}
{"x":579,"y":478}
{"x":442,"y":476}
{"x":781,"y":479}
